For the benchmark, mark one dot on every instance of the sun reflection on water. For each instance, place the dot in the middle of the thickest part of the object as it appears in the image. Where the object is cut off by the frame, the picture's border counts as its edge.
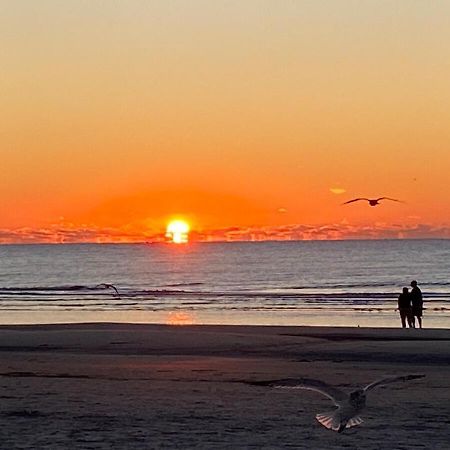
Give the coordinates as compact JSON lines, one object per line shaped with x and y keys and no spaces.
{"x":180,"y":318}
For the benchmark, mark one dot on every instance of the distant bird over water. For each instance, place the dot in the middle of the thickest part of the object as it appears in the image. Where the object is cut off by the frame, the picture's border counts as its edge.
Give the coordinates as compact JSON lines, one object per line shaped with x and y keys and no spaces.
{"x":372,"y":201}
{"x":107,"y":286}
{"x":348,"y":406}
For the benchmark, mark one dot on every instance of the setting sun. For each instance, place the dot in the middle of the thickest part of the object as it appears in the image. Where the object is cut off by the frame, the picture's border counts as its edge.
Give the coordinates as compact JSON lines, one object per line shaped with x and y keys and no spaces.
{"x":178,"y":231}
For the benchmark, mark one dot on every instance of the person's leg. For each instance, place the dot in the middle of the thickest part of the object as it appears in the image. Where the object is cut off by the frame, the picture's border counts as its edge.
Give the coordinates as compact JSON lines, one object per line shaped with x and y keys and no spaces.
{"x":411,"y":321}
{"x":403,"y":318}
{"x":419,"y":319}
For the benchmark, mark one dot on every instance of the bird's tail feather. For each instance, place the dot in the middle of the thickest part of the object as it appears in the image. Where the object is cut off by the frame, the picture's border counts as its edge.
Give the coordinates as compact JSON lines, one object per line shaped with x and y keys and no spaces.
{"x":354,"y":421}
{"x":330,"y":420}
{"x":333,"y":421}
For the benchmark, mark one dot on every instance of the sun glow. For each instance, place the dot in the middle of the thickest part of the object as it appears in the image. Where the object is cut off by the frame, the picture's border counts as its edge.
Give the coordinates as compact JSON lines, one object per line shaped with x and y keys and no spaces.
{"x":178,"y":231}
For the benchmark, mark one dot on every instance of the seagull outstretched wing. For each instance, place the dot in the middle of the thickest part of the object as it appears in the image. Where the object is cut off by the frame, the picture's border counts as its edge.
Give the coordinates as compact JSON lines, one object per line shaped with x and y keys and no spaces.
{"x":389,"y":198}
{"x":107,"y":286}
{"x":388,"y":380}
{"x":356,"y":200}
{"x":336,"y":395}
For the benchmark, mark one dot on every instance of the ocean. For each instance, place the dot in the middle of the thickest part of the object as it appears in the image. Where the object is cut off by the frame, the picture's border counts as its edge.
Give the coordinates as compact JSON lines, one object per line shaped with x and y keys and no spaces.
{"x":340,"y":283}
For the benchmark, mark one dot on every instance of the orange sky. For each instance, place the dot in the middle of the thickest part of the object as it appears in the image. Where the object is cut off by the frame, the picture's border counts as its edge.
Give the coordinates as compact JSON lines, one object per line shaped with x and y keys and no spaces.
{"x":240,"y":116}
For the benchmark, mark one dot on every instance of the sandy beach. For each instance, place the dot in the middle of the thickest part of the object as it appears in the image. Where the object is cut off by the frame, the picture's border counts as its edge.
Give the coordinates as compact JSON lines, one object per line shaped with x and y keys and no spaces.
{"x":95,"y":386}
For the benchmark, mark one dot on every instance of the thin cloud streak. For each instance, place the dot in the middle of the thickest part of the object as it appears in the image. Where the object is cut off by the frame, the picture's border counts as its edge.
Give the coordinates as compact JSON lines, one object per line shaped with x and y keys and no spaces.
{"x":337,"y":190}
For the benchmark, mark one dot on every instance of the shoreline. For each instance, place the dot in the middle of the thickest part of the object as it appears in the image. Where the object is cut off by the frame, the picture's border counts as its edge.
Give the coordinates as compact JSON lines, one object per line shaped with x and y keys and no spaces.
{"x":218,"y":326}
{"x":186,"y":317}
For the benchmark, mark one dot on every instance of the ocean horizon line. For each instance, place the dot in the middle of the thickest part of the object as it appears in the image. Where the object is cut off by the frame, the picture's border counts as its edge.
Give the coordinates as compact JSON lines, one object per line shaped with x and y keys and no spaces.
{"x":243,"y":241}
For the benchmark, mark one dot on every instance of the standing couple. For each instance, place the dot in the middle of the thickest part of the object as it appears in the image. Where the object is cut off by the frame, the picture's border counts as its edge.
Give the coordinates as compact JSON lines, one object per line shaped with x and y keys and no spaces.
{"x":410,"y":306}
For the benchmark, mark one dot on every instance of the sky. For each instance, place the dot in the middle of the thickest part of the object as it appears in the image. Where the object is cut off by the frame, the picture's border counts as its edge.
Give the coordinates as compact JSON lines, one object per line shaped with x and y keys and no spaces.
{"x":250,"y":119}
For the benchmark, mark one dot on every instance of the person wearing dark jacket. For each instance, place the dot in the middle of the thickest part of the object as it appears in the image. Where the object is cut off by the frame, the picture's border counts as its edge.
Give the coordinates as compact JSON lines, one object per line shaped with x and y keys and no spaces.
{"x":416,"y":303}
{"x":404,"y":307}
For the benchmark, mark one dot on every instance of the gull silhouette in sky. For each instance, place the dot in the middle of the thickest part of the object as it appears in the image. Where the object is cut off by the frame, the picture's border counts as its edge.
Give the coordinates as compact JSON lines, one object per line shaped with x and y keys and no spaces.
{"x":372,"y":201}
{"x":348,"y":405}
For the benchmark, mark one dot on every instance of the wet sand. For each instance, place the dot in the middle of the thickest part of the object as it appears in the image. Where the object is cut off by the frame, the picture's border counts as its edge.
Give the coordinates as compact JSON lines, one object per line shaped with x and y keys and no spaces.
{"x":154,"y":386}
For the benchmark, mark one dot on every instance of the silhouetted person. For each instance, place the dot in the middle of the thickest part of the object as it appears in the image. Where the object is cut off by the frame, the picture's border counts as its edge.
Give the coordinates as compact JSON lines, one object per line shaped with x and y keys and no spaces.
{"x":416,"y":303}
{"x":404,"y":307}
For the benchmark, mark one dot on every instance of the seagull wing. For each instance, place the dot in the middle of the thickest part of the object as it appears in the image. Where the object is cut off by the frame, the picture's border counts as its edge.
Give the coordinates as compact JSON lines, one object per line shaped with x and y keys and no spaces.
{"x":388,"y":198}
{"x":113,"y":287}
{"x":355,"y":200}
{"x":334,"y":394}
{"x":107,"y":286}
{"x":388,"y":380}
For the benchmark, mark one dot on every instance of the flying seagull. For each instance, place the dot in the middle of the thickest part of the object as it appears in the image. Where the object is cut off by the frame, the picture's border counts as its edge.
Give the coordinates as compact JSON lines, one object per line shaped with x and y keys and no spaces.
{"x":107,"y":286}
{"x":348,"y":405}
{"x":372,"y":201}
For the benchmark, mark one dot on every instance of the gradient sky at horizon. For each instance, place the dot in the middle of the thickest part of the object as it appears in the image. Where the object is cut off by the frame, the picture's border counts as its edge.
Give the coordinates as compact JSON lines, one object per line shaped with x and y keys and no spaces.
{"x":121,"y":114}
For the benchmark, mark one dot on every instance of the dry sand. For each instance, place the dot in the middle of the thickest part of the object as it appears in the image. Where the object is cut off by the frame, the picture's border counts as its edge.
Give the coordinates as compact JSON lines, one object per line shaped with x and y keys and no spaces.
{"x":121,"y":386}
